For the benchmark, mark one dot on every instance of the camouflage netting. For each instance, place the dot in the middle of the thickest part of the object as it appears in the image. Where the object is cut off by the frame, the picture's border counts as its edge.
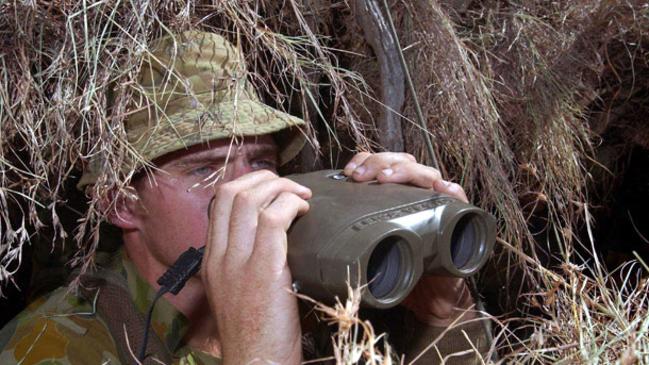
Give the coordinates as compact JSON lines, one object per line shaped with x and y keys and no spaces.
{"x":538,"y":109}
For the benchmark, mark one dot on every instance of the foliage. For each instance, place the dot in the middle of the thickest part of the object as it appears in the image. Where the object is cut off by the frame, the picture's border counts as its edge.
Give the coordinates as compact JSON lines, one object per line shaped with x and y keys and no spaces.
{"x":517,"y":96}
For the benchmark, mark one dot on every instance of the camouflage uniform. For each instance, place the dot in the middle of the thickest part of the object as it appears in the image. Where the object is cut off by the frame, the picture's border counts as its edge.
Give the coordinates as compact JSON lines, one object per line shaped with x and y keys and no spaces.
{"x":192,"y":89}
{"x":63,"y":328}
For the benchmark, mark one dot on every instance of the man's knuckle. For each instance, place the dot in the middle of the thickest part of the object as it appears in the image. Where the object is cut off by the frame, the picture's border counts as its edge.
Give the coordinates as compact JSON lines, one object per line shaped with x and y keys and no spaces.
{"x":286,"y":181}
{"x":270,"y":218}
{"x":228,"y":267}
{"x":382,"y":155}
{"x":244,"y":198}
{"x":292,"y":199}
{"x":375,"y":159}
{"x":409,"y":156}
{"x":411,"y":164}
{"x":267,"y":174}
{"x":226,"y":190}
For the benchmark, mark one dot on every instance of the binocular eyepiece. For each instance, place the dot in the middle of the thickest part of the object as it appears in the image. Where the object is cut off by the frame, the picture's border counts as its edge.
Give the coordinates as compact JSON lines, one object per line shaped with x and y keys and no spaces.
{"x":383,"y":236}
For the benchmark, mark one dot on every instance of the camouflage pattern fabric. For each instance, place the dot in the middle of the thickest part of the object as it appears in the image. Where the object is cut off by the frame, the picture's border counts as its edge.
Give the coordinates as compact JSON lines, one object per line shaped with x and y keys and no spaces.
{"x":192,"y":89}
{"x":63,"y":328}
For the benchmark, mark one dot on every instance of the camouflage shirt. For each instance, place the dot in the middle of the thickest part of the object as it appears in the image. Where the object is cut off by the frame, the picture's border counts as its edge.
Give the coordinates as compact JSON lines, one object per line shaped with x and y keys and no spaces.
{"x":63,"y":328}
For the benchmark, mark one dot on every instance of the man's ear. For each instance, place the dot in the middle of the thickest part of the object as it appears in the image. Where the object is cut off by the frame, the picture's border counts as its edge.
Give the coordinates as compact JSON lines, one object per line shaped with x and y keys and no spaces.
{"x":122,"y":208}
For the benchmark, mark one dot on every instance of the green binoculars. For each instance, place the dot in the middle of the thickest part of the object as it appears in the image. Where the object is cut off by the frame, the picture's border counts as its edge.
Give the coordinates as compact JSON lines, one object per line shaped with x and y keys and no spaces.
{"x":382,"y":236}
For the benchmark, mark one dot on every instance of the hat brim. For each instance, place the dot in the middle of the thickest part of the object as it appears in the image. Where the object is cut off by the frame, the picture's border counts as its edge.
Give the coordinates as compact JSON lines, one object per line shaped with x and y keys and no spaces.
{"x":199,"y":125}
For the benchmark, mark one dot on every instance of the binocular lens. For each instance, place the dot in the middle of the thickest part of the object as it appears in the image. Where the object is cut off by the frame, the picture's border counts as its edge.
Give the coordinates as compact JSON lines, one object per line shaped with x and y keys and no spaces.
{"x":384,"y":268}
{"x":466,"y":240}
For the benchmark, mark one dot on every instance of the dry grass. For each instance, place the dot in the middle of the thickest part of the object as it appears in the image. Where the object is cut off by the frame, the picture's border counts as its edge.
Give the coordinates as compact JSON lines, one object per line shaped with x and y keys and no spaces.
{"x":513,"y":93}
{"x":354,"y":341}
{"x":65,"y":64}
{"x":588,"y":316}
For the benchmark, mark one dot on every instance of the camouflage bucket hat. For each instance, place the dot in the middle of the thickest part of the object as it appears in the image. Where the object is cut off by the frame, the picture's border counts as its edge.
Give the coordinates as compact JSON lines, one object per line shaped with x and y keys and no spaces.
{"x":193,"y":89}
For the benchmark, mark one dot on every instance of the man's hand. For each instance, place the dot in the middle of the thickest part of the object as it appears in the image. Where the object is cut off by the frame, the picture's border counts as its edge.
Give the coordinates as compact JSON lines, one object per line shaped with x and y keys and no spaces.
{"x":435,"y":300}
{"x":245,"y":271}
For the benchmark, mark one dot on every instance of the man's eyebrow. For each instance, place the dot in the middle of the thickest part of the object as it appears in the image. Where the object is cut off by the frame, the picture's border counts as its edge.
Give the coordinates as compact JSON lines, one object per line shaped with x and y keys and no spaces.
{"x":211,"y":157}
{"x":198,"y":158}
{"x":265,"y":149}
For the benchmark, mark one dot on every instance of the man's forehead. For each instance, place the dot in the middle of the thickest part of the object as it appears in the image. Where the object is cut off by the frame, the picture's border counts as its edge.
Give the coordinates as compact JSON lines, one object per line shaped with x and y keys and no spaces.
{"x":219,"y":149}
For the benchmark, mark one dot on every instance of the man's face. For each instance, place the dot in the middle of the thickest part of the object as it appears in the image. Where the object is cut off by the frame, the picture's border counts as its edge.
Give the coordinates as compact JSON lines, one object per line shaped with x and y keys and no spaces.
{"x":171,"y":214}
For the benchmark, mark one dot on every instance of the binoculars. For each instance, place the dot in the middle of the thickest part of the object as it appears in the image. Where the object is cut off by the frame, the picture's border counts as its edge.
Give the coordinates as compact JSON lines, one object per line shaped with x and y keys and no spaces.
{"x":383,"y":237}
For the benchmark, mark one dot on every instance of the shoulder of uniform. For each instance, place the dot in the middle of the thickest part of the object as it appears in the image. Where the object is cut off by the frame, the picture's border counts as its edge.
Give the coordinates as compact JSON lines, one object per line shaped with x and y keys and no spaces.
{"x":59,"y":327}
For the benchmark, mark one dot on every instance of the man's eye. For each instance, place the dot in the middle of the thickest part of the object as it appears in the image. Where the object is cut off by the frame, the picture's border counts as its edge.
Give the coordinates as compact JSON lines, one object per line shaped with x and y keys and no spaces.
{"x":203,"y":171}
{"x":264,"y":165}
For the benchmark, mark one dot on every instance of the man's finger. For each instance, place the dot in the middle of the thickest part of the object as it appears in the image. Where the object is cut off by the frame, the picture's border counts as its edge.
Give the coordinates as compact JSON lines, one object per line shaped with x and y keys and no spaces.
{"x":356,"y":161}
{"x":410,"y":173}
{"x":246,"y":208}
{"x":452,"y":189}
{"x":221,"y":208}
{"x":274,"y":221}
{"x":374,"y":164}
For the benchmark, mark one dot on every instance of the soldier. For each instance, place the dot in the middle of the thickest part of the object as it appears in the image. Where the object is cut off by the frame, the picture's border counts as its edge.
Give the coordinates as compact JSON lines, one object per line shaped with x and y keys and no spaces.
{"x":212,"y":142}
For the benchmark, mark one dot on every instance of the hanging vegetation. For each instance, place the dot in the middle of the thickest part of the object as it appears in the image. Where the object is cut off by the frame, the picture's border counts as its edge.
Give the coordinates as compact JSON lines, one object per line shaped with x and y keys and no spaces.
{"x":538,"y":109}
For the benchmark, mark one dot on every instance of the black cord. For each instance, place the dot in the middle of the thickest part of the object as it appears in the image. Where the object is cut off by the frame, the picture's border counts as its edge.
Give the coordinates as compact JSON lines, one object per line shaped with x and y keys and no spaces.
{"x":185,"y":267}
{"x":172,"y":281}
{"x":142,"y":353}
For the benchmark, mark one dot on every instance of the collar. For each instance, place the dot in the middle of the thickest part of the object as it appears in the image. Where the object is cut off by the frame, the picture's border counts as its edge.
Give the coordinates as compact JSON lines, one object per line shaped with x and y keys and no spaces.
{"x":169,"y":324}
